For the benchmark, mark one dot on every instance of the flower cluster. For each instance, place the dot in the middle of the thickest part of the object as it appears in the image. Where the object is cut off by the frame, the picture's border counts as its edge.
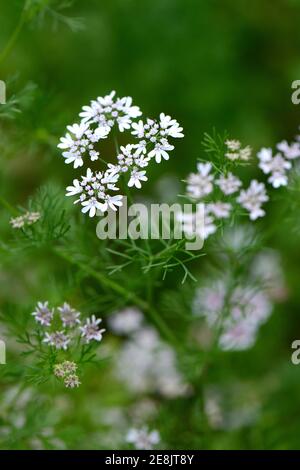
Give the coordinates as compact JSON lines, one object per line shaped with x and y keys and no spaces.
{"x":238,"y":314}
{"x":145,"y":363}
{"x":67,"y":371}
{"x":143,"y":439}
{"x":27,"y":219}
{"x":276,"y":166}
{"x":72,"y":326}
{"x":236,"y":152}
{"x":221,"y":190}
{"x":82,"y":141}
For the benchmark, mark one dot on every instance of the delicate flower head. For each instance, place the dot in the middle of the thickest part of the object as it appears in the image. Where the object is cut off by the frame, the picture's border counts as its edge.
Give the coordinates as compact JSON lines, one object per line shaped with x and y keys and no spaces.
{"x":64,"y":369}
{"x":291,"y":151}
{"x":219,"y":209}
{"x":68,"y":315}
{"x":126,"y":321}
{"x":236,"y":152}
{"x":27,"y":219}
{"x":72,"y":381}
{"x":142,"y":439}
{"x":275,"y":165}
{"x":229,"y":184}
{"x":97,"y":120}
{"x":58,"y":339}
{"x":43,"y":314}
{"x":252,"y":199}
{"x":90,"y":330}
{"x":200,"y":184}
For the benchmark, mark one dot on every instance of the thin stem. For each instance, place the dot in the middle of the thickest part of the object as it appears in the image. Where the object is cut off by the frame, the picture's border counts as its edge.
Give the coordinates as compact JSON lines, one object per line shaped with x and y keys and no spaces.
{"x":13,"y":39}
{"x":8,"y":206}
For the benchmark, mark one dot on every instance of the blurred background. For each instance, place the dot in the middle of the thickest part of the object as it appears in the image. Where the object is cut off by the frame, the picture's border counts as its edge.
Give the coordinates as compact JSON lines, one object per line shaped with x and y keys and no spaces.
{"x":226,"y":65}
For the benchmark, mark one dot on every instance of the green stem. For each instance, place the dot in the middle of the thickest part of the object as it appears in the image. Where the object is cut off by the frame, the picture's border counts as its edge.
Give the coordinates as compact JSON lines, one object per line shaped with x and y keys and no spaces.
{"x":13,"y":39}
{"x":8,"y":206}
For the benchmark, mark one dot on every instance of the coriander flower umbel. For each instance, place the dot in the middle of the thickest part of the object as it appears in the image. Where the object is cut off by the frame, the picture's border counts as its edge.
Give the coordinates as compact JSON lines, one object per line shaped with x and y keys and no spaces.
{"x":110,"y":110}
{"x":64,"y":369}
{"x":252,"y":199}
{"x":69,"y":316}
{"x":90,"y":330}
{"x":43,"y":314}
{"x":142,"y":439}
{"x":58,"y":339}
{"x":200,"y":184}
{"x":291,"y":151}
{"x":72,"y":381}
{"x":275,"y":165}
{"x":27,"y":219}
{"x":80,"y":141}
{"x":229,"y":183}
{"x":83,"y":140}
{"x":93,"y":190}
{"x":236,"y":152}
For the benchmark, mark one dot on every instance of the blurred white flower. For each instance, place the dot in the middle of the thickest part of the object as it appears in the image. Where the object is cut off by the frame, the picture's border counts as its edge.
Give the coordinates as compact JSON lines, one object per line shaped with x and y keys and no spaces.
{"x":252,"y":199}
{"x":228,"y":184}
{"x":126,"y":321}
{"x":275,"y":165}
{"x":200,"y":184}
{"x":90,"y":330}
{"x":58,"y":339}
{"x":142,"y":439}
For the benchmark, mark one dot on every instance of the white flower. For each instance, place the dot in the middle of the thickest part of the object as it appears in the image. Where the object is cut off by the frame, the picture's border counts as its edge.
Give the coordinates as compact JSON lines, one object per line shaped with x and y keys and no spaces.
{"x":75,"y":189}
{"x":27,"y":219}
{"x":290,"y":151}
{"x":68,"y":315}
{"x":170,"y":126}
{"x":161,"y":150}
{"x":233,"y":144}
{"x":276,"y":166}
{"x":237,"y":315}
{"x":136,"y":177}
{"x":236,"y":152}
{"x":126,"y":321}
{"x":64,"y":369}
{"x":90,"y":330}
{"x":229,"y":184}
{"x":43,"y":314}
{"x":113,"y":202}
{"x":58,"y":339}
{"x":82,"y":143}
{"x":32,"y":217}
{"x":194,"y":224}
{"x":17,"y":222}
{"x":108,"y":110}
{"x":238,"y":337}
{"x":72,"y":381}
{"x":252,"y":199}
{"x":219,"y":209}
{"x":146,"y":364}
{"x":91,"y":206}
{"x":142,"y":439}
{"x":200,"y":184}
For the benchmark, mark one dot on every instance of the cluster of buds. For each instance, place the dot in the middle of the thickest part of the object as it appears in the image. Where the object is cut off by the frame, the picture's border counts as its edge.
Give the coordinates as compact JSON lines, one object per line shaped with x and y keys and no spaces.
{"x":67,"y":371}
{"x":27,"y":219}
